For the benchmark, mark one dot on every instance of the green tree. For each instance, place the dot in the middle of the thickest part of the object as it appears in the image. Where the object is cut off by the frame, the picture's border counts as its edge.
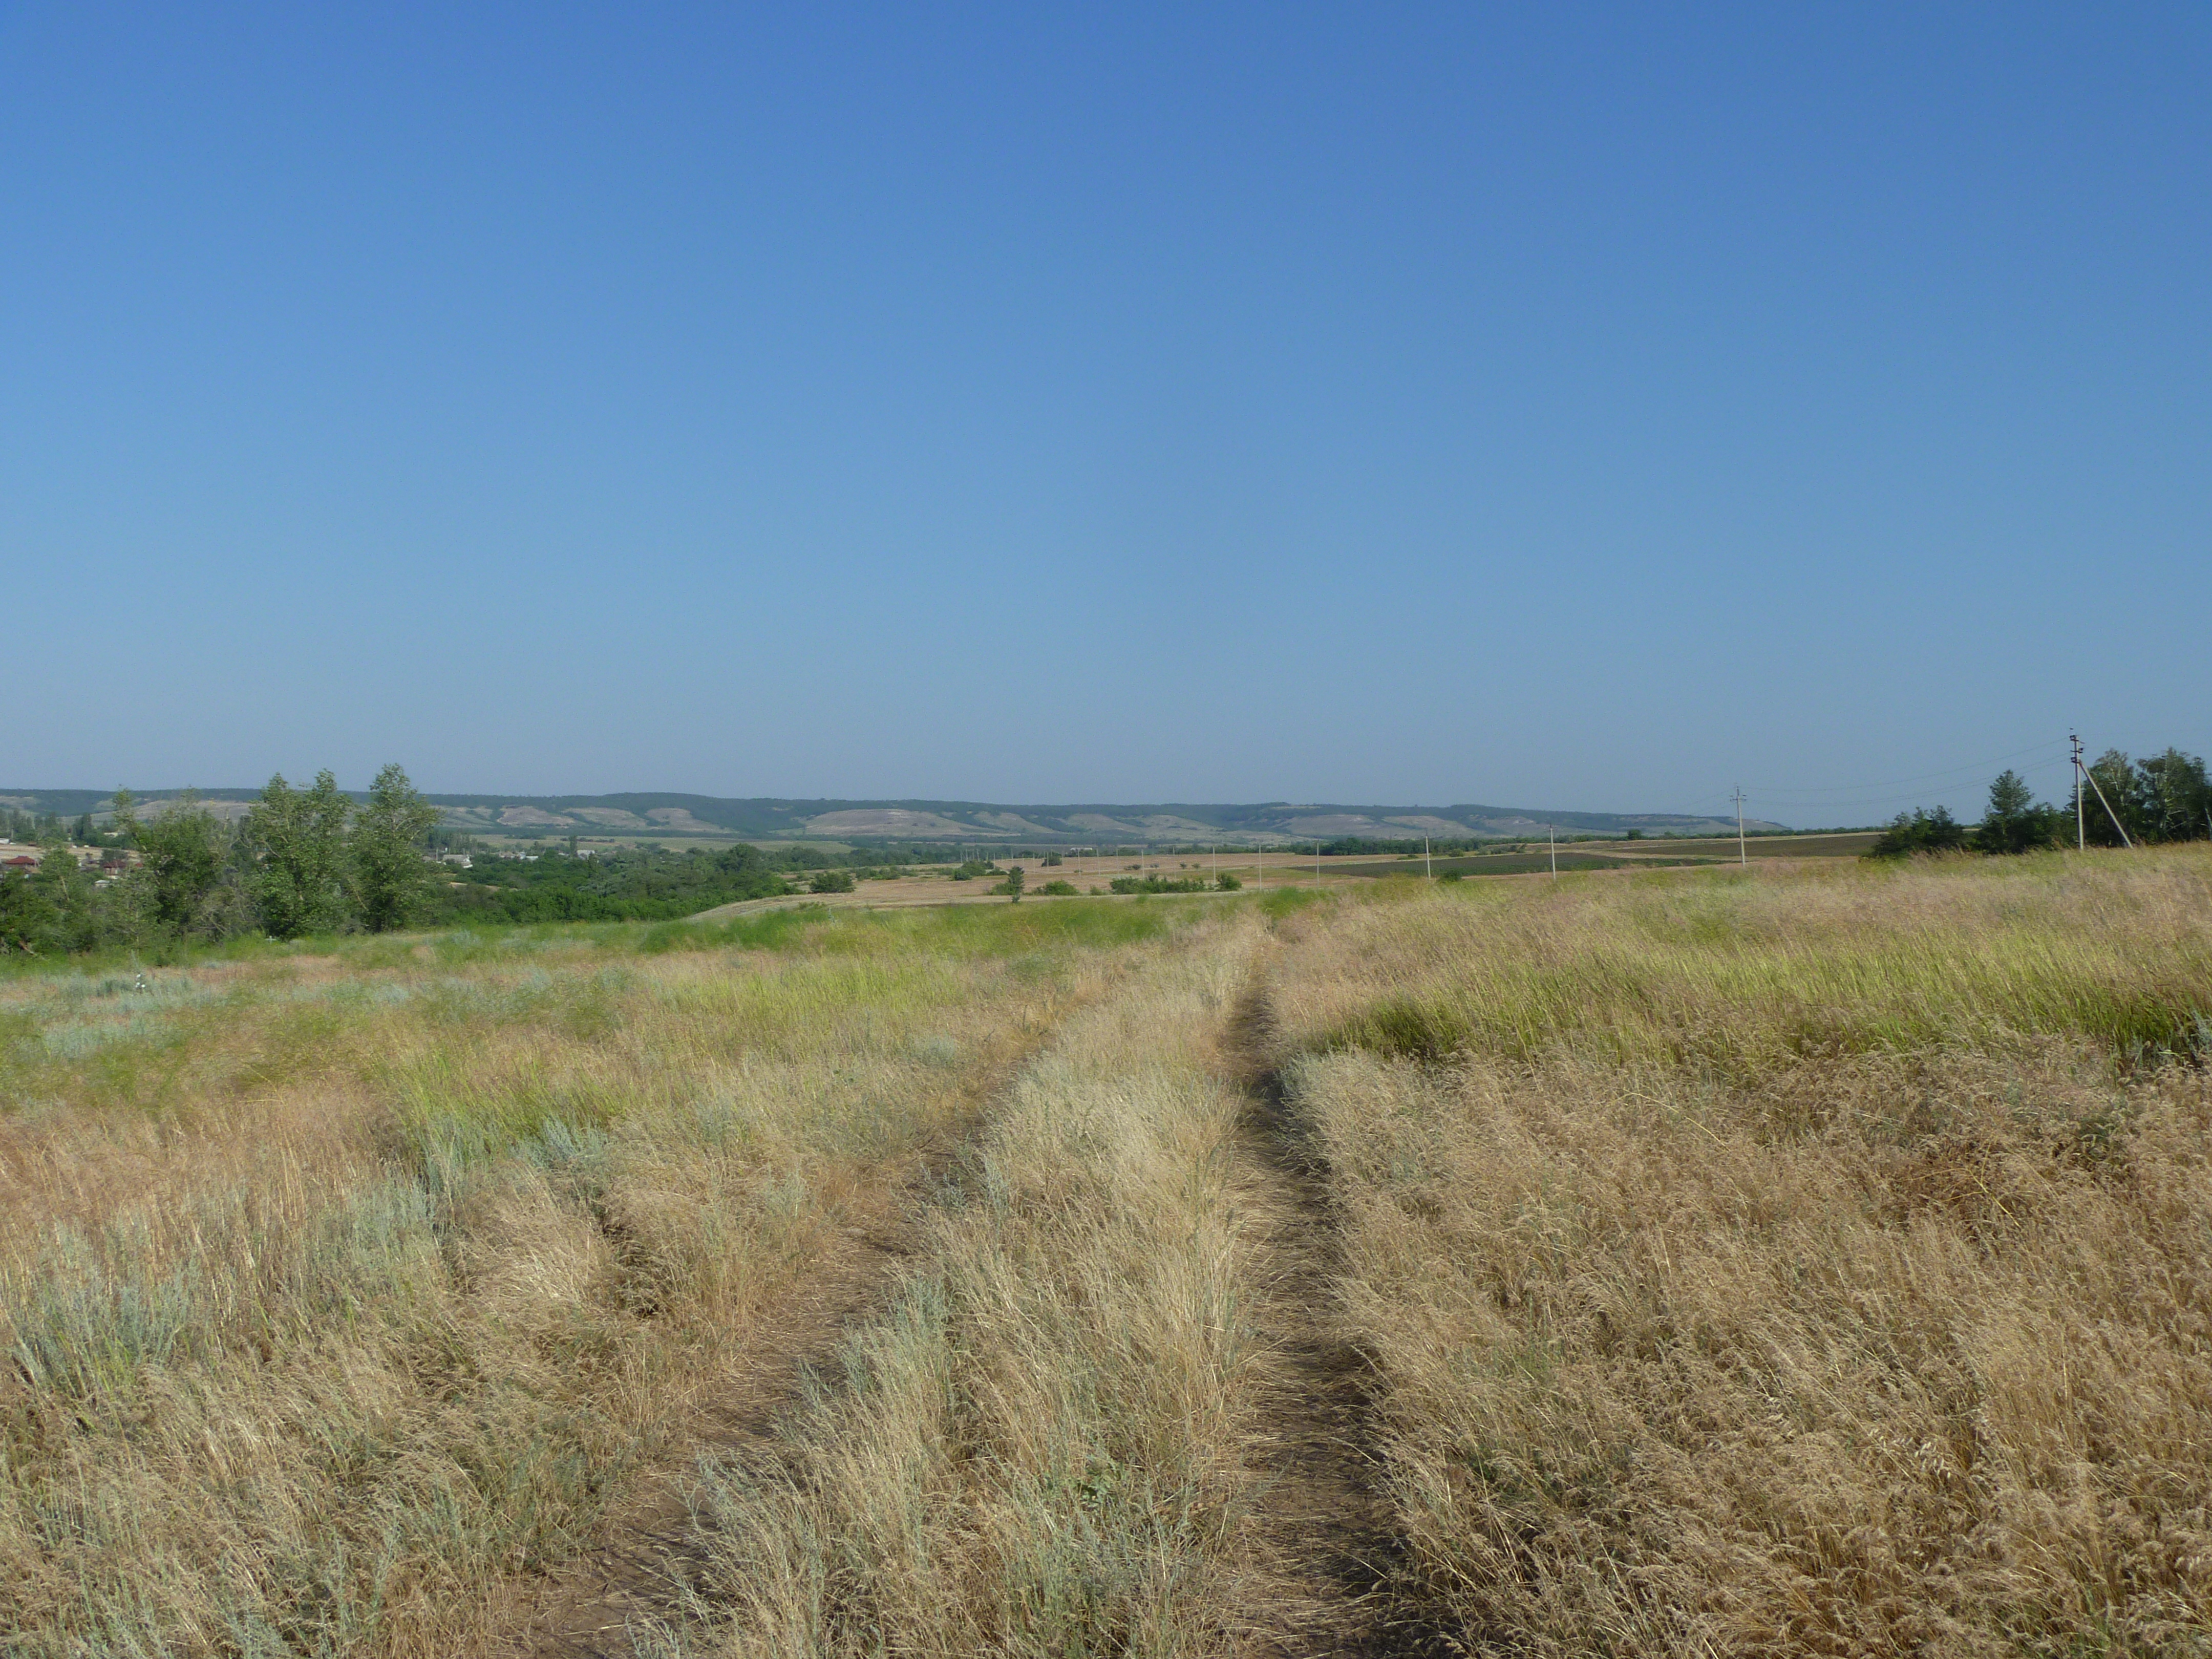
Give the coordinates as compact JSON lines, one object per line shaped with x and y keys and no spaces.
{"x":387,"y":863}
{"x":1016,"y":877}
{"x":2014,"y":821}
{"x":2174,"y":800}
{"x":1919,"y":831}
{"x":28,"y":920}
{"x":184,"y":850}
{"x":297,"y":838}
{"x":70,"y":891}
{"x":2122,"y":789}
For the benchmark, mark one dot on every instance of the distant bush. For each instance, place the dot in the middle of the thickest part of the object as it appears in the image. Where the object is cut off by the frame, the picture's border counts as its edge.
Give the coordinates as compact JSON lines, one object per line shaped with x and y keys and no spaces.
{"x":1057,"y":889}
{"x":1227,"y":882}
{"x":832,"y":881}
{"x":1919,"y":831}
{"x":1159,"y":884}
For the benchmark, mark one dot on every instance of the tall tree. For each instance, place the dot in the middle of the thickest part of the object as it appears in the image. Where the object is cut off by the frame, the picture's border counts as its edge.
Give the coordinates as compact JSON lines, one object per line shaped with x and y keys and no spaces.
{"x":388,"y":864}
{"x":184,"y":848}
{"x":2013,"y":822}
{"x":296,"y":838}
{"x":28,"y":920}
{"x":2175,"y":798}
{"x":2121,"y":786}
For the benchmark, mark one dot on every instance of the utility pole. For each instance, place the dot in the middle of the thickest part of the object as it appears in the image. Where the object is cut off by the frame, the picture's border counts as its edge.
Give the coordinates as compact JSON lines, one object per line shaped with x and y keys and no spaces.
{"x":2101,"y":801}
{"x":1742,"y":856}
{"x":1316,"y":864}
{"x":2081,"y":835}
{"x":1260,"y":868}
{"x":1552,"y":829}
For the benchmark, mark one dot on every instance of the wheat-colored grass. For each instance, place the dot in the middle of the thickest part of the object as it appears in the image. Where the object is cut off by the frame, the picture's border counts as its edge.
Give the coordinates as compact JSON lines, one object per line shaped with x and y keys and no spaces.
{"x":1814,"y":1264}
{"x":1047,"y":1448}
{"x":337,"y":1291}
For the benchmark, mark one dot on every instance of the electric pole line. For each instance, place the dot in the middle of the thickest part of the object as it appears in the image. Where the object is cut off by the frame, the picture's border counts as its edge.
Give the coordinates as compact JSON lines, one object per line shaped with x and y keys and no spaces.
{"x":1743,"y":857}
{"x":2084,"y":772}
{"x":1316,"y":864}
{"x":1552,"y":831}
{"x":2080,"y":834}
{"x":1428,"y":870}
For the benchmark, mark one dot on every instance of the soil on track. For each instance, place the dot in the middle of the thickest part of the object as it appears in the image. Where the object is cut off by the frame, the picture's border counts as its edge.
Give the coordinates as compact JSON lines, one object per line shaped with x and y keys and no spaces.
{"x":1324,"y":1522}
{"x":652,"y":1558}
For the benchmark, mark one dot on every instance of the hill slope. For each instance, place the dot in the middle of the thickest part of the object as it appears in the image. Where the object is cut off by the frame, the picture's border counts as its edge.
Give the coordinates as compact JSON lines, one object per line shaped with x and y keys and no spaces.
{"x":1107,"y":823}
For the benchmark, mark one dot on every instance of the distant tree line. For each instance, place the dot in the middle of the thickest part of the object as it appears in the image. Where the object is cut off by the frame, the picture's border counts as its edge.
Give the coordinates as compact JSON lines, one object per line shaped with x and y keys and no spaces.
{"x":300,"y":861}
{"x":643,"y":884}
{"x":2166,"y":798}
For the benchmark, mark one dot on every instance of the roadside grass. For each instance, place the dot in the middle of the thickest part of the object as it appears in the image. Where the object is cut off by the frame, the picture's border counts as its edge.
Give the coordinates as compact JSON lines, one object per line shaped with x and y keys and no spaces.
{"x":342,"y":1286}
{"x":1809,"y":1263}
{"x":1045,"y":1448}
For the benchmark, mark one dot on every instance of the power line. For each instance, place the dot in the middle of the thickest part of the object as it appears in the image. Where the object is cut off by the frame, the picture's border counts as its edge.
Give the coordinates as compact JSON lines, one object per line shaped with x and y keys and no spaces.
{"x":1923,"y":777}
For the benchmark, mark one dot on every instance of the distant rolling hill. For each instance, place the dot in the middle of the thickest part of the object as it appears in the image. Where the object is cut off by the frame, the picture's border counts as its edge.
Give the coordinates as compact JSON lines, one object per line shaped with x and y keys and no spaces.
{"x":768,"y":819}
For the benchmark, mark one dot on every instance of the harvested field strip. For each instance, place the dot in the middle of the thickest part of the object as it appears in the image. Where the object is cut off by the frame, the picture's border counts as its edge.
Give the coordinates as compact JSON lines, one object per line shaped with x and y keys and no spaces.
{"x":356,"y":1290}
{"x":1696,"y":1336}
{"x":1057,"y":1440}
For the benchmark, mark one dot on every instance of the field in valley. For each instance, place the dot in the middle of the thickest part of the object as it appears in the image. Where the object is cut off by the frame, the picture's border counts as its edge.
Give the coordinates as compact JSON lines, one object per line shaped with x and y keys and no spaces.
{"x":1811,"y":1260}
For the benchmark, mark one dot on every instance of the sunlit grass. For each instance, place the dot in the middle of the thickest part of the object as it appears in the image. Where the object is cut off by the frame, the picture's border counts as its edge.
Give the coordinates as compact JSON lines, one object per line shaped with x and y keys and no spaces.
{"x":1817,"y":1262}
{"x":340,"y":1283}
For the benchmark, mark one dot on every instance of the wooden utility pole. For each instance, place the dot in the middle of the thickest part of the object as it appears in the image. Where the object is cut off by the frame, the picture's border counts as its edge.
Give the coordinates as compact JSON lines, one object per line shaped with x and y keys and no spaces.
{"x":1742,"y":856}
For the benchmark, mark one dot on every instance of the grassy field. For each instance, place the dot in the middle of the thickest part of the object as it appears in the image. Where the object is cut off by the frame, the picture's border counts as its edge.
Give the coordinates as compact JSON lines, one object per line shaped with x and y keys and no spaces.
{"x":1811,"y":1260}
{"x":1845,"y":844}
{"x":340,"y":1290}
{"x":1500,"y":864}
{"x":1801,"y":1265}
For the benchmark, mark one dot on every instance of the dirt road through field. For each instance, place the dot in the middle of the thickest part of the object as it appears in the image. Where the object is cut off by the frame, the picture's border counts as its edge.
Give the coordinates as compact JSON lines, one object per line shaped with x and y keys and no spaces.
{"x":1322,"y":1518}
{"x":651,"y":1555}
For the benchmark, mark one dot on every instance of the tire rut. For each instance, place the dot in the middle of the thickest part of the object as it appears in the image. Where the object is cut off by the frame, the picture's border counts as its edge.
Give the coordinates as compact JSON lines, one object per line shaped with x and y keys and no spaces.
{"x":650,"y":1565}
{"x":1325,"y":1521}
{"x":653,"y":1558}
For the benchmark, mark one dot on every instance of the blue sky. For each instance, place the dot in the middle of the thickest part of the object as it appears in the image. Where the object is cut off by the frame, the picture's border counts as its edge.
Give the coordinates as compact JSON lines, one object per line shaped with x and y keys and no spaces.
{"x":1575,"y":406}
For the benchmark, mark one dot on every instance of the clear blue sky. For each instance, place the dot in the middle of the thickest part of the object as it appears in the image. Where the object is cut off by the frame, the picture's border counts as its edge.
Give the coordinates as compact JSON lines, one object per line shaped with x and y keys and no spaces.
{"x":1574,"y":407}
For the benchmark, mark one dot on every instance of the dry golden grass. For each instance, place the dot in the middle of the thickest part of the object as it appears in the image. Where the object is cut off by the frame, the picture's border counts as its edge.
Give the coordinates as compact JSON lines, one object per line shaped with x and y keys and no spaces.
{"x":1819,"y":1261}
{"x":335,"y":1293}
{"x":1047,"y":1448}
{"x":1815,"y":1264}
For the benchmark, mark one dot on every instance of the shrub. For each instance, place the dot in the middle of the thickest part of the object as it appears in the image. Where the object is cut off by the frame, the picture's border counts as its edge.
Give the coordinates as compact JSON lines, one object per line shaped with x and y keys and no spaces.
{"x":1919,"y":831}
{"x":831,"y":881}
